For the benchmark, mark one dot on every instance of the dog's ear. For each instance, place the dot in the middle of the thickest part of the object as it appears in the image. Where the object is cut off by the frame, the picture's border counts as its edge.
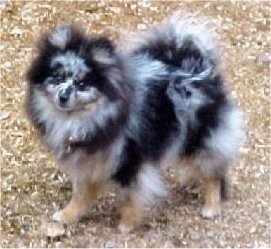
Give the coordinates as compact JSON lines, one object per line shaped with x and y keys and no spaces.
{"x":102,"y":50}
{"x":60,"y":36}
{"x":103,"y":43}
{"x":66,"y":37}
{"x":47,"y":45}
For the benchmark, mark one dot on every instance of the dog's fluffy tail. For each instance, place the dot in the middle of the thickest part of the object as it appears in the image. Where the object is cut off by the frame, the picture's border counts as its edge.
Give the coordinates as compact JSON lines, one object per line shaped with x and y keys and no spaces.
{"x":185,"y":41}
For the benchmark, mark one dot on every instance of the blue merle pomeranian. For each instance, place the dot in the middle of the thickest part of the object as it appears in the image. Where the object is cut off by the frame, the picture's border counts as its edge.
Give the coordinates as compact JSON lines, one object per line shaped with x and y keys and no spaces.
{"x":121,"y":115}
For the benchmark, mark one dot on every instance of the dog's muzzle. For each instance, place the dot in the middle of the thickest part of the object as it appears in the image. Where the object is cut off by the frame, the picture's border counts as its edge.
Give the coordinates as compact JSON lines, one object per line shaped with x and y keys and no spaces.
{"x":64,"y":96}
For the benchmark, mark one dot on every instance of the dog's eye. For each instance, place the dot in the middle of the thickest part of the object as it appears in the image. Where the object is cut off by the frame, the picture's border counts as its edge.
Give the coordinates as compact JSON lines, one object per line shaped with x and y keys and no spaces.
{"x":81,"y":86}
{"x":58,"y":79}
{"x":58,"y":69}
{"x":55,"y":80}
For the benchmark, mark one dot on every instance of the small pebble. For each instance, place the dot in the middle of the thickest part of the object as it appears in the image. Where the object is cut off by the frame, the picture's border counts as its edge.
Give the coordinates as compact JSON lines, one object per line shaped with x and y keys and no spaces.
{"x":263,"y":58}
{"x":52,"y":229}
{"x":4,"y":115}
{"x":109,"y":244}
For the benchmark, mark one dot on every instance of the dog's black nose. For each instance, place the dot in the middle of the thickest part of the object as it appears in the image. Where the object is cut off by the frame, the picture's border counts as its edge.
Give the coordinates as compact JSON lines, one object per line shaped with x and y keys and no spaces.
{"x":63,"y":96}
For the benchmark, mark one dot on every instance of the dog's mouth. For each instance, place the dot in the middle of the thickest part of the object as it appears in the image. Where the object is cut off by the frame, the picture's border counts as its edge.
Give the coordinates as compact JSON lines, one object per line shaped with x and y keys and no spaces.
{"x":82,"y":108}
{"x":65,"y":108}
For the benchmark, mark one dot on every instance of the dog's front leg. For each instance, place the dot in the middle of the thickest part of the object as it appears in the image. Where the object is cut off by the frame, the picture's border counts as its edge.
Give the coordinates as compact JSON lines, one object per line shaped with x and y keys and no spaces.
{"x":131,"y":214}
{"x":140,"y":195}
{"x":84,"y":193}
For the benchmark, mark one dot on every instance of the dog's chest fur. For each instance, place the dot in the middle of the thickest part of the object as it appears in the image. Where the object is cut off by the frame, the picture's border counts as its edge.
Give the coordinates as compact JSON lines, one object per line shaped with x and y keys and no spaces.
{"x":58,"y":128}
{"x":98,"y":166}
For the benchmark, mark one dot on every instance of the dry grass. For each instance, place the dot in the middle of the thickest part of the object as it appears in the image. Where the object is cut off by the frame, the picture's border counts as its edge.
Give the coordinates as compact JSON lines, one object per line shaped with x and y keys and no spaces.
{"x":32,"y":189}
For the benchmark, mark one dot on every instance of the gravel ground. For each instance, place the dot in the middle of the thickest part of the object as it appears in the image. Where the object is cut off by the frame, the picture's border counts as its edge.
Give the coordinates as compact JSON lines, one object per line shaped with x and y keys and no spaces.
{"x":31,"y":187}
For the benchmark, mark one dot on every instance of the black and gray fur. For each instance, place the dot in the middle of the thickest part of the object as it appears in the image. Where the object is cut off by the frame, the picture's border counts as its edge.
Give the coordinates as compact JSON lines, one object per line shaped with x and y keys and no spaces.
{"x":163,"y":99}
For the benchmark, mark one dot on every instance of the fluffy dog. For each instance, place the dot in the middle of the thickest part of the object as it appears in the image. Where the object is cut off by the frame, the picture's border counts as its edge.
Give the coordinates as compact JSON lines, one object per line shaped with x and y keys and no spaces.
{"x":111,"y":115}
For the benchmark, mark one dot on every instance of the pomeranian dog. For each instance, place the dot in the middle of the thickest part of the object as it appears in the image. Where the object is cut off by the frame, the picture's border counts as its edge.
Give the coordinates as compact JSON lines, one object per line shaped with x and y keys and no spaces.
{"x":120,"y":115}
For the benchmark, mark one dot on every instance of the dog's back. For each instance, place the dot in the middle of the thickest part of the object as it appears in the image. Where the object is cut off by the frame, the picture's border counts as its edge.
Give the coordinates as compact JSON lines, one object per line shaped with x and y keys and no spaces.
{"x":181,"y":110}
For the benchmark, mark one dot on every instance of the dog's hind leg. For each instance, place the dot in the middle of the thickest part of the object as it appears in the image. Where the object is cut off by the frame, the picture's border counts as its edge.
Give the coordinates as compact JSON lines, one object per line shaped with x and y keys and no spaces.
{"x":212,"y":169}
{"x":213,"y":161}
{"x":212,"y":203}
{"x":84,"y":193}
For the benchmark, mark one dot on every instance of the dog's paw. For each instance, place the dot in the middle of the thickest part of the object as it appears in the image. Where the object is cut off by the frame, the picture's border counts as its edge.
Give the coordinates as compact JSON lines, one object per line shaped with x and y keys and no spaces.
{"x":124,"y":228}
{"x":209,"y":212}
{"x":57,"y":216}
{"x":65,"y":217}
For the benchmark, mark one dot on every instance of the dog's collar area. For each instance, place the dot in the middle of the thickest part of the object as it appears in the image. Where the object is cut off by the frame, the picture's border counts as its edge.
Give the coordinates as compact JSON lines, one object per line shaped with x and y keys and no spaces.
{"x":68,"y":146}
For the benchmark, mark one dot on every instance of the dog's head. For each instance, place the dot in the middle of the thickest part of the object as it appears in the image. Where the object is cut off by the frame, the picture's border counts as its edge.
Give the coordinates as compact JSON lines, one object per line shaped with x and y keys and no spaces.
{"x":73,"y":71}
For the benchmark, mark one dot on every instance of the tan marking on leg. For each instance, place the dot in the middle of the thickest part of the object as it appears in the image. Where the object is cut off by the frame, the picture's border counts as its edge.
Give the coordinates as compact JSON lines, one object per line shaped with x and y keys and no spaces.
{"x":84,"y":193}
{"x":212,"y":205}
{"x":130,"y":216}
{"x":188,"y":173}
